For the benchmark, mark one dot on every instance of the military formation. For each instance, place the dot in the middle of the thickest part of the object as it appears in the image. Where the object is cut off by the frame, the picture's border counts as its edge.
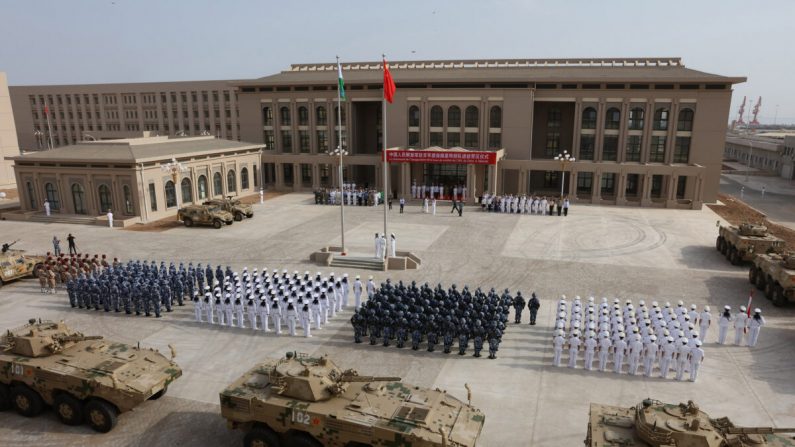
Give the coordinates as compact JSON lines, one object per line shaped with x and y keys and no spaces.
{"x":413,"y":315}
{"x":648,"y":340}
{"x":742,"y":323}
{"x":516,"y":204}
{"x":350,"y":195}
{"x":58,"y":270}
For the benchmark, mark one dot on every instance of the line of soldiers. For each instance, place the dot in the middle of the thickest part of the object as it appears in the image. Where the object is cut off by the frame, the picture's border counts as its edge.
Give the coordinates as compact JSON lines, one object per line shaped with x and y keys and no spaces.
{"x":523,"y":204}
{"x":413,"y":314}
{"x":438,"y":191}
{"x":742,"y":323}
{"x":61,"y":268}
{"x":350,"y":194}
{"x":641,"y":337}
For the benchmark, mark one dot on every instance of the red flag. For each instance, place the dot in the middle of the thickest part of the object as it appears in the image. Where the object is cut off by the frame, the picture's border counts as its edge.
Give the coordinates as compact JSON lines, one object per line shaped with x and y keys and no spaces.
{"x":389,"y":84}
{"x":46,"y":110}
{"x":750,"y":300}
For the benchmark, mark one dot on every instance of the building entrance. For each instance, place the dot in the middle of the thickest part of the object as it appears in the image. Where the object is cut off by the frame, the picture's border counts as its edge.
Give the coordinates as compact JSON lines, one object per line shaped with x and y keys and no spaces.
{"x":447,"y":176}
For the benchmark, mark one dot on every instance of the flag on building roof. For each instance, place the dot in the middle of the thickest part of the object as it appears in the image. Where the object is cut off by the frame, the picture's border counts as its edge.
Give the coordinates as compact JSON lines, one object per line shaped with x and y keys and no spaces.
{"x":46,"y":110}
{"x":341,"y":82}
{"x":389,"y":84}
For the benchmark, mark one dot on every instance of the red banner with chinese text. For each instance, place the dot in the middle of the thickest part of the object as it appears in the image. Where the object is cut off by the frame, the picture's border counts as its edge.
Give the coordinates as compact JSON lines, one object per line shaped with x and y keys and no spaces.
{"x":469,"y":157}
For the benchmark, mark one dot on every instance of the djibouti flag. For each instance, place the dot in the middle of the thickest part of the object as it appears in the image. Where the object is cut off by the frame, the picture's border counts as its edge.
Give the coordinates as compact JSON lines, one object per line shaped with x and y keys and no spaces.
{"x":340,"y":81}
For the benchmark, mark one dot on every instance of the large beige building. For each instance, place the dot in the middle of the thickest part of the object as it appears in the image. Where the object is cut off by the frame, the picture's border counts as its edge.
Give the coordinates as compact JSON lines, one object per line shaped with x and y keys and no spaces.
{"x":643,"y":131}
{"x":8,"y":135}
{"x":109,"y":111}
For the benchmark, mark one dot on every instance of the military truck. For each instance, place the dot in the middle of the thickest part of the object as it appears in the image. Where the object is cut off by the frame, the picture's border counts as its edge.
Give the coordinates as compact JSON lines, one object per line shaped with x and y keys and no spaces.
{"x":775,"y":275}
{"x":15,"y":264}
{"x":84,"y":378}
{"x":653,"y":423}
{"x":741,"y":243}
{"x":300,"y":401}
{"x":204,"y":215}
{"x":233,"y":206}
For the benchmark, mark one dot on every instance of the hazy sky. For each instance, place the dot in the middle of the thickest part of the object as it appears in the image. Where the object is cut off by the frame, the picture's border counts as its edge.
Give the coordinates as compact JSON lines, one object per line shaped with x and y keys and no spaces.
{"x":93,"y":41}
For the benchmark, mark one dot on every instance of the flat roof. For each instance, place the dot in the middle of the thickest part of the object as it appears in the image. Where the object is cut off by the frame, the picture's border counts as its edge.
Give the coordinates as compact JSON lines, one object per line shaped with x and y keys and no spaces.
{"x":135,"y":150}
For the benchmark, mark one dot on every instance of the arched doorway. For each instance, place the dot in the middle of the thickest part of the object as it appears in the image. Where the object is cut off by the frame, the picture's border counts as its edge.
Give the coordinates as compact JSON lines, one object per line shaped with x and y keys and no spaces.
{"x":105,"y":202}
{"x":79,"y":198}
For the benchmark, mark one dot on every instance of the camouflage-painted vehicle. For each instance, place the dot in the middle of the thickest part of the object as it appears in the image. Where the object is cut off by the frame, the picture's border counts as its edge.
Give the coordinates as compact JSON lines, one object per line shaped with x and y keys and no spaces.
{"x":233,"y":206}
{"x":84,"y":378}
{"x":653,"y":423}
{"x":775,"y":275}
{"x":204,"y":215}
{"x":741,"y":243}
{"x":15,"y":264}
{"x":299,"y":401}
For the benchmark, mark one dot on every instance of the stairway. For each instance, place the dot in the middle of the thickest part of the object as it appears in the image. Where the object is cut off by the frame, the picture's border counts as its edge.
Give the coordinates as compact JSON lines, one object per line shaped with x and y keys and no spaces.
{"x":63,"y":218}
{"x":351,"y":262}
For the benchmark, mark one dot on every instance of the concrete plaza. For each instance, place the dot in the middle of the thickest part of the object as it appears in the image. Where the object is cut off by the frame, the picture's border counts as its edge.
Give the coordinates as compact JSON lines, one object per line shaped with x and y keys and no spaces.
{"x":651,"y":254}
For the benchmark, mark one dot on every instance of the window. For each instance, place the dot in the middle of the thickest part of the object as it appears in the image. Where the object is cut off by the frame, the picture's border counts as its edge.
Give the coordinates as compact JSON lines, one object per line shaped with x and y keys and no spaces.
{"x":337,"y":116}
{"x":52,"y":196}
{"x":187,"y":190}
{"x":414,"y":139}
{"x":267,"y":116}
{"x":284,"y":116}
{"x":453,"y":117}
{"x":495,"y":140}
{"x":414,"y":116}
{"x":636,"y":118}
{"x":584,"y":182}
{"x":437,"y":116}
{"x":306,"y":175}
{"x":656,"y":186}
{"x":661,"y":119}
{"x":471,"y":140}
{"x":31,"y":195}
{"x":244,"y":179}
{"x":79,"y":198}
{"x":105,"y":202}
{"x":270,"y":139}
{"x":613,"y":118}
{"x":657,"y":152}
{"x":633,"y":148}
{"x":320,"y":116}
{"x":287,"y":141}
{"x":171,"y":195}
{"x":471,"y":117}
{"x":685,"y":123}
{"x":453,"y":139}
{"x":610,"y":148}
{"x":218,"y":187}
{"x":682,"y":150}
{"x":202,"y":187}
{"x":589,"y":118}
{"x":608,"y":184}
{"x":128,"y":203}
{"x":587,"y":146}
{"x":553,"y":132}
{"x":231,"y":181}
{"x":322,"y":141}
{"x":633,"y":181}
{"x":681,"y":186}
{"x":495,"y":117}
{"x":437,"y":139}
{"x":256,"y":177}
{"x":303,"y":116}
{"x":287,"y":171}
{"x":551,"y":179}
{"x":303,"y":141}
{"x":152,"y":197}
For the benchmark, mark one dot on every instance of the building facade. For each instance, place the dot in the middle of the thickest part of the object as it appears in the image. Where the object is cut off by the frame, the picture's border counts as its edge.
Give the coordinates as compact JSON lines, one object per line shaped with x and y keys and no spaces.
{"x":767,"y":152}
{"x":642,"y":131}
{"x":140,"y":179}
{"x":110,"y":111}
{"x":8,"y":136}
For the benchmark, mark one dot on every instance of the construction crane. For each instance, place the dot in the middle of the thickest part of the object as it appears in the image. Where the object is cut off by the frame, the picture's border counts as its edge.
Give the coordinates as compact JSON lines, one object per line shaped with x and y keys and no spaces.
{"x":740,"y":114}
{"x":755,"y":122}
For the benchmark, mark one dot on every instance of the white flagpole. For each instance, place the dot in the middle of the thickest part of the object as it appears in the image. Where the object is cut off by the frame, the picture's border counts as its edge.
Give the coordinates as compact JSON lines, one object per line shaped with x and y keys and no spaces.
{"x":386,"y":165}
{"x":339,"y":149}
{"x":49,"y":128}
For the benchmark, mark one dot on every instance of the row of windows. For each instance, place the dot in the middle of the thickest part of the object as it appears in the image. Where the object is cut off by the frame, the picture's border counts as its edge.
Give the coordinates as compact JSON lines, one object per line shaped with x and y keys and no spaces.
{"x":104,"y":194}
{"x":285,"y":116}
{"x":636,"y":119}
{"x":186,"y":187}
{"x":633,"y":149}
{"x":471,"y":116}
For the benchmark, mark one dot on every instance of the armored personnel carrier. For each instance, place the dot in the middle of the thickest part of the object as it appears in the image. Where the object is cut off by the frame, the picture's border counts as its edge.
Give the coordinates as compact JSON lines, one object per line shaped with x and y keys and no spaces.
{"x":653,"y":423}
{"x":233,"y":206}
{"x":741,"y":243}
{"x":15,"y":264}
{"x":84,"y":378}
{"x":299,"y":401}
{"x":775,"y":275}
{"x":204,"y":215}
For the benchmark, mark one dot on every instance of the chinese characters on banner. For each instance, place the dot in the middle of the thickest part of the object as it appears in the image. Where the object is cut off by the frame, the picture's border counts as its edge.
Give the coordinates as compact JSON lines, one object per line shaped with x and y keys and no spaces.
{"x":470,"y":157}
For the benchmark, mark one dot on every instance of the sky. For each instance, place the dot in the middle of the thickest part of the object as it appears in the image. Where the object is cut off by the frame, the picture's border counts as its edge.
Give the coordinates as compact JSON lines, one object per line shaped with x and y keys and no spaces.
{"x":102,"y":41}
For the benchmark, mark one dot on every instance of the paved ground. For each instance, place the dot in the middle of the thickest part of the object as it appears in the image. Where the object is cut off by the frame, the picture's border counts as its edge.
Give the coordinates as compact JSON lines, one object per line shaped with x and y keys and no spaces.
{"x":778,"y":201}
{"x":606,"y":251}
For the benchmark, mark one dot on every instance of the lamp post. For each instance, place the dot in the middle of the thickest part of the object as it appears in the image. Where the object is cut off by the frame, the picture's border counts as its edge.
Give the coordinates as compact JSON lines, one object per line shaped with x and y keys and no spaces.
{"x":339,"y":152}
{"x":174,"y":168}
{"x":39,"y":137}
{"x":565,"y":158}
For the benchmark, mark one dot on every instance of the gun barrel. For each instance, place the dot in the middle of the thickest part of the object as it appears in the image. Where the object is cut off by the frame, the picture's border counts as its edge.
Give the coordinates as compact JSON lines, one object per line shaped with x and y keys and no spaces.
{"x":758,"y":430}
{"x":80,"y":337}
{"x":369,"y":379}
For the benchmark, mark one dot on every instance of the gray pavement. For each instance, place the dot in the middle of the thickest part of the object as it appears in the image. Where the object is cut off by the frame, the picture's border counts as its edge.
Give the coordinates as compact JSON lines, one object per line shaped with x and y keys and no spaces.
{"x":651,"y":254}
{"x":778,"y":201}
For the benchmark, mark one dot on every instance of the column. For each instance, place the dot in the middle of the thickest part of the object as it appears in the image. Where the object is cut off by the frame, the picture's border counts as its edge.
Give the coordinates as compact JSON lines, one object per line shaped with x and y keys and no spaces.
{"x":621,"y":189}
{"x":471,"y":183}
{"x":315,"y":176}
{"x":645,"y":196}
{"x":575,"y":139}
{"x":405,"y":180}
{"x":494,"y":169}
{"x":297,"y":184}
{"x":671,"y":135}
{"x":522,"y":187}
{"x":596,"y":187}
{"x":572,"y":176}
{"x":279,"y":180}
{"x":671,"y":200}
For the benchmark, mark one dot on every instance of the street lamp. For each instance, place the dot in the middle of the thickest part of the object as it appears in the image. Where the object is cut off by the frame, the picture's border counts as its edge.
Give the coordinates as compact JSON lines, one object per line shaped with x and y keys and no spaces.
{"x":39,"y":137}
{"x":87,"y":137}
{"x":174,"y":168}
{"x":565,"y":158}
{"x":339,"y":152}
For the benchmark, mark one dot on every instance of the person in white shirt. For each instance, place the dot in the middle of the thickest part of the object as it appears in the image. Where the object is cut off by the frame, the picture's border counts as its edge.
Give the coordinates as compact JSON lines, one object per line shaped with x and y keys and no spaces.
{"x":650,"y":351}
{"x":682,"y":359}
{"x":619,"y":351}
{"x":635,"y":350}
{"x":723,"y":324}
{"x":370,"y":288}
{"x":740,"y":325}
{"x":393,"y":245}
{"x":704,"y":321}
{"x":696,"y":359}
{"x":755,"y":323}
{"x":574,"y":348}
{"x":425,"y":205}
{"x":557,"y":344}
{"x":433,"y":206}
{"x":47,"y":208}
{"x":357,"y":293}
{"x":110,"y":218}
{"x":590,"y":346}
{"x":668,"y":350}
{"x":604,"y":350}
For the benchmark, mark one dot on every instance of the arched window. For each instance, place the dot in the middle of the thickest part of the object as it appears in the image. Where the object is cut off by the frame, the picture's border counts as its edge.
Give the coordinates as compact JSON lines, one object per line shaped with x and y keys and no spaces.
{"x":471,"y":117}
{"x":454,"y":117}
{"x":128,"y":201}
{"x":218,"y":187}
{"x":661,"y":119}
{"x":303,"y":116}
{"x":495,"y":117}
{"x":320,"y":116}
{"x":187,"y":190}
{"x":52,"y":196}
{"x":284,"y":116}
{"x":171,"y":195}
{"x":636,"y":118}
{"x":685,"y":123}
{"x":267,"y":116}
{"x":437,"y":116}
{"x":79,"y":198}
{"x":105,"y":203}
{"x":613,"y":118}
{"x":414,"y":116}
{"x":202,"y":187}
{"x":244,"y":179}
{"x":337,"y":117}
{"x":231,"y":181}
{"x":589,"y":118}
{"x":31,"y":195}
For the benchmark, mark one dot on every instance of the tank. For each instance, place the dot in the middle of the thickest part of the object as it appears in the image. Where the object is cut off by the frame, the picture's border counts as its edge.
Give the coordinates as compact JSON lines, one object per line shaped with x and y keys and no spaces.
{"x":233,"y":206}
{"x":15,"y":264}
{"x":84,"y":378}
{"x":304,"y":401}
{"x":742,"y":243}
{"x":775,"y":275}
{"x":653,"y":423}
{"x":204,"y":215}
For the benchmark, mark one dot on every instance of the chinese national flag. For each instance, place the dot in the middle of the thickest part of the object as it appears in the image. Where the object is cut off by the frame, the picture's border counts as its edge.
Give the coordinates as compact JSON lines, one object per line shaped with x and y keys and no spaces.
{"x":46,"y":110}
{"x":389,"y":84}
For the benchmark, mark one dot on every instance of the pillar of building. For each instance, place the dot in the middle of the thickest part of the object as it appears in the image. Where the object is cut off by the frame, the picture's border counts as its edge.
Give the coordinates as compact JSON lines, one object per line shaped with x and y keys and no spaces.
{"x":493,"y":177}
{"x":671,"y":192}
{"x":315,"y":176}
{"x":279,"y":176}
{"x":621,"y":189}
{"x":405,"y":180}
{"x":572,"y":176}
{"x":645,"y":196}
{"x":596,"y":187}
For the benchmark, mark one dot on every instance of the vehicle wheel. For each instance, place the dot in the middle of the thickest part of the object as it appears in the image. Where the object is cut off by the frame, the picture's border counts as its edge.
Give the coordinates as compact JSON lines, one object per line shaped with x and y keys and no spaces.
{"x":5,"y":397}
{"x":769,"y":287}
{"x":159,"y":394}
{"x":250,"y":215}
{"x":760,"y":279}
{"x":188,"y":222}
{"x":231,"y":221}
{"x":68,"y":409}
{"x":261,"y":437}
{"x":752,"y":275}
{"x":101,"y":416}
{"x":34,"y":273}
{"x":778,"y":296}
{"x":217,"y":224}
{"x":27,"y":402}
{"x":718,"y":242}
{"x":724,"y":246}
{"x":238,"y":217}
{"x":300,"y":439}
{"x":734,"y":257}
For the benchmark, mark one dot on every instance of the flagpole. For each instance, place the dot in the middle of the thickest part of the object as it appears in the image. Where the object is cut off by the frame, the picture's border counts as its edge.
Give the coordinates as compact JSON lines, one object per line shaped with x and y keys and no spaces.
{"x":49,"y":127}
{"x":383,"y":114}
{"x":339,"y":149}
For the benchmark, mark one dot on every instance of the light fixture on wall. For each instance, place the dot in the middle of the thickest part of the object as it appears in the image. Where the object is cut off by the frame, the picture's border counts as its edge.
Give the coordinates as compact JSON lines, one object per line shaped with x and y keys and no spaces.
{"x":174,"y":168}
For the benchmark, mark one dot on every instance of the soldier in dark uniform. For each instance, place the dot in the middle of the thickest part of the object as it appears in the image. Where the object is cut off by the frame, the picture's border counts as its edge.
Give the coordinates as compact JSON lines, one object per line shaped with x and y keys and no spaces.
{"x":477,"y":332}
{"x":533,"y":305}
{"x":416,"y":334}
{"x":400,"y":333}
{"x":463,"y":336}
{"x":518,"y":306}
{"x":494,"y":336}
{"x":449,"y":334}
